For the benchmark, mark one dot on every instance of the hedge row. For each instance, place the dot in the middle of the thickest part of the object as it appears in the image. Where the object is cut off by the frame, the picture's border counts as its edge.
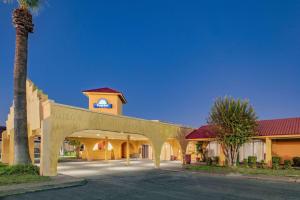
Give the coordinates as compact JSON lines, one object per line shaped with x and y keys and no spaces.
{"x":19,"y":170}
{"x":252,"y":162}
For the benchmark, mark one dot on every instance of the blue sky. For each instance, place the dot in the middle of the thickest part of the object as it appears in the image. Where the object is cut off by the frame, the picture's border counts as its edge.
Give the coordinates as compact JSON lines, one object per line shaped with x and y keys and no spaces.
{"x":171,"y":59}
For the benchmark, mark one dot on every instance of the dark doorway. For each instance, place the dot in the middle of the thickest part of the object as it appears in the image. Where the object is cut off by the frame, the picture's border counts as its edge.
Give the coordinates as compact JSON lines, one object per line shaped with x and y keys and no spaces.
{"x":145,"y":151}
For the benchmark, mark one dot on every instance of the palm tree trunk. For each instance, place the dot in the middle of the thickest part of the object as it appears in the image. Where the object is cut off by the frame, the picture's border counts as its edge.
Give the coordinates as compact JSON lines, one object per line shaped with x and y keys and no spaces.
{"x":22,"y":20}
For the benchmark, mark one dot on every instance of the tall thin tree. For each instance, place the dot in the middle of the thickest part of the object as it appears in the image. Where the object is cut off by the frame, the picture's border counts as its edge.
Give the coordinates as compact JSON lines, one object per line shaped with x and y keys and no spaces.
{"x":234,"y":122}
{"x":22,"y":21}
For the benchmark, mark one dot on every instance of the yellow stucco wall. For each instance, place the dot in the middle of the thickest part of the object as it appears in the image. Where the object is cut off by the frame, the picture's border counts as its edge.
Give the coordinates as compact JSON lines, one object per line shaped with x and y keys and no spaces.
{"x":268,"y":159}
{"x":170,"y":148}
{"x":116,"y":153}
{"x":175,"y":150}
{"x":5,"y":148}
{"x":286,"y":149}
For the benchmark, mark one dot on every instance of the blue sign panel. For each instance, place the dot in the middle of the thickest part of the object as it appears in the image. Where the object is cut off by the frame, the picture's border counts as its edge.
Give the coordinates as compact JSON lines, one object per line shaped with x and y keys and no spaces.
{"x":102,"y":103}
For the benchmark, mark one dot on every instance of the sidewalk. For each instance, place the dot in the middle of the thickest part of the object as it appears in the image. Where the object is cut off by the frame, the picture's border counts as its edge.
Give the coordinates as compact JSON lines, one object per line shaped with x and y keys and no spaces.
{"x":60,"y":181}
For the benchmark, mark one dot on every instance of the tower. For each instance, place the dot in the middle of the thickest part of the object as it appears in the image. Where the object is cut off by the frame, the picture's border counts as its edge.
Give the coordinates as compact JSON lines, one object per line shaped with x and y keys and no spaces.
{"x":105,"y":100}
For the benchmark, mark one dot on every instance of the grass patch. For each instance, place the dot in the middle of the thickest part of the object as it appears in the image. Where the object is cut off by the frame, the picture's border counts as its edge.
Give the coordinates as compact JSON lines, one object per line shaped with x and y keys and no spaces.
{"x":20,"y":174}
{"x":246,"y":171}
{"x":17,"y":179}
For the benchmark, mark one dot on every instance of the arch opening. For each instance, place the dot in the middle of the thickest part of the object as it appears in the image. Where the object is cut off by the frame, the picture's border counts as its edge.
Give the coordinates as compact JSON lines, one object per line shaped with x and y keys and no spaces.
{"x":97,"y":145}
{"x":171,"y":151}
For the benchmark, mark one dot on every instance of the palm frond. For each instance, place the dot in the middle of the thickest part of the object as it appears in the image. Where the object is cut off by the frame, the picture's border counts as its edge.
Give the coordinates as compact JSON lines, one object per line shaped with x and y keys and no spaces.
{"x":28,"y":4}
{"x":31,"y":4}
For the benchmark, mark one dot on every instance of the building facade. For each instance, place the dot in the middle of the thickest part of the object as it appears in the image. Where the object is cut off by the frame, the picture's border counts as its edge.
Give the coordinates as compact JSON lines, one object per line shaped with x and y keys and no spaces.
{"x":277,"y":137}
{"x":102,"y":130}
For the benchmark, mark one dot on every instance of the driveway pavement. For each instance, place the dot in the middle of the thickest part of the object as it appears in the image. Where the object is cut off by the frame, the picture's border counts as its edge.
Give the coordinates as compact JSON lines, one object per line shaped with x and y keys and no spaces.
{"x":113,"y":180}
{"x":95,"y":168}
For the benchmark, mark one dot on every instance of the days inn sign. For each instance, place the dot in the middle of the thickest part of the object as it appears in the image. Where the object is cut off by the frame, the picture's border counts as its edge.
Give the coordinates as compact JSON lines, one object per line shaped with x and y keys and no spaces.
{"x":102,"y":103}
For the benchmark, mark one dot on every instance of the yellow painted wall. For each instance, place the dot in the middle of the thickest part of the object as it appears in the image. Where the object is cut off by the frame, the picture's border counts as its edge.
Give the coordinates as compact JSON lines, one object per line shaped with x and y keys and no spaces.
{"x":191,"y":149}
{"x":171,"y":148}
{"x":286,"y":149}
{"x":114,"y":99}
{"x":95,"y":155}
{"x":5,"y":148}
{"x":31,"y":148}
{"x":116,"y":153}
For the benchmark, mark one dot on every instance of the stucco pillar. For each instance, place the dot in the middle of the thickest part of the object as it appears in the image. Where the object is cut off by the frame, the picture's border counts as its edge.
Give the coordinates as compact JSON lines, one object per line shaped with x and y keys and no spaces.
{"x":183,"y":143}
{"x":50,"y":144}
{"x":49,"y":157}
{"x":268,"y":152}
{"x":221,"y":157}
{"x":11,"y":148}
{"x":127,"y":150}
{"x":156,"y":153}
{"x":31,"y":148}
{"x":89,"y":150}
{"x":183,"y":152}
{"x":106,"y":149}
{"x":5,"y":148}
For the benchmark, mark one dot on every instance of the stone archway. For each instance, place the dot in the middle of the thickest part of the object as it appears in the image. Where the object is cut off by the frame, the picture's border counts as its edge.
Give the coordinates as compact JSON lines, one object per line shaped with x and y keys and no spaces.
{"x":52,"y":156}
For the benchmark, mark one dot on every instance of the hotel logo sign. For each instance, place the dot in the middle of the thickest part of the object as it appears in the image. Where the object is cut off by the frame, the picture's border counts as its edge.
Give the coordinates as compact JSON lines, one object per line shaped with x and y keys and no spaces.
{"x":102,"y":103}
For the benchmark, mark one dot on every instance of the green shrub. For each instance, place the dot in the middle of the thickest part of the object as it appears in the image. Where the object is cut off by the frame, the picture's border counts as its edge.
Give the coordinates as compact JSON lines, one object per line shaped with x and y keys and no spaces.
{"x":70,"y":153}
{"x":276,"y":162}
{"x":245,"y":162}
{"x":263,"y":164}
{"x":2,"y":165}
{"x":252,"y":161}
{"x":296,"y":161}
{"x":209,"y":161}
{"x":287,"y":164}
{"x":20,"y":170}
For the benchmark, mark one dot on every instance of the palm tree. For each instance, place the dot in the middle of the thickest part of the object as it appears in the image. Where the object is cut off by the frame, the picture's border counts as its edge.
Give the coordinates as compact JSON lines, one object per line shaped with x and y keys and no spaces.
{"x":22,"y":20}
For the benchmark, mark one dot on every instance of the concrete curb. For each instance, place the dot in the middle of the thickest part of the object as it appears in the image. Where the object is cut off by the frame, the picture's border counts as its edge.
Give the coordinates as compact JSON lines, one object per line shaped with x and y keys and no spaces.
{"x":63,"y":182}
{"x":274,"y":179}
{"x":233,"y":175}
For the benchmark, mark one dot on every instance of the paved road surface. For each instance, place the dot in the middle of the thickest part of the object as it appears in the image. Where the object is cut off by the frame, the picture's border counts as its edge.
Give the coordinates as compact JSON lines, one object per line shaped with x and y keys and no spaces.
{"x":142,"y":182}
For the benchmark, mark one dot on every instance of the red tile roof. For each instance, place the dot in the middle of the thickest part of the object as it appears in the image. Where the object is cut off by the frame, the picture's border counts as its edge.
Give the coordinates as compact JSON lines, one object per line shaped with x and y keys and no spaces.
{"x":103,"y":90}
{"x":288,"y":126}
{"x":273,"y":127}
{"x":107,"y":90}
{"x":201,"y":133}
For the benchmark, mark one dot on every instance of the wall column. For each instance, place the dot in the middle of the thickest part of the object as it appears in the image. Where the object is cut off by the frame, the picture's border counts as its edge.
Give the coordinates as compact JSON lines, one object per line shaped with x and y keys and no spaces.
{"x":106,"y":149}
{"x":127,"y":150}
{"x":221,"y":157}
{"x":11,"y":148}
{"x":50,"y":144}
{"x":5,"y":148}
{"x":89,"y":150}
{"x":268,"y":152}
{"x":31,"y":148}
{"x":156,"y":152}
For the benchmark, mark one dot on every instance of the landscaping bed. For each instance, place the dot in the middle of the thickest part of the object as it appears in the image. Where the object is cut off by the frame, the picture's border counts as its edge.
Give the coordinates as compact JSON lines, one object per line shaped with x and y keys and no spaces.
{"x":244,"y":170}
{"x":20,"y":174}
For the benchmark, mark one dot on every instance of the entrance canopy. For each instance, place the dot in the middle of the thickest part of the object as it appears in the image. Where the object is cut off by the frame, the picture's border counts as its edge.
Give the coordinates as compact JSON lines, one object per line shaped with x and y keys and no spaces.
{"x":97,"y":134}
{"x":54,"y":122}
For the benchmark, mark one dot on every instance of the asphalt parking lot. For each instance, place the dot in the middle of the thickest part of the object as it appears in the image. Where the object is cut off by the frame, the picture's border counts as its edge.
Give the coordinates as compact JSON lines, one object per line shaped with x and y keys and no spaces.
{"x":114,"y":180}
